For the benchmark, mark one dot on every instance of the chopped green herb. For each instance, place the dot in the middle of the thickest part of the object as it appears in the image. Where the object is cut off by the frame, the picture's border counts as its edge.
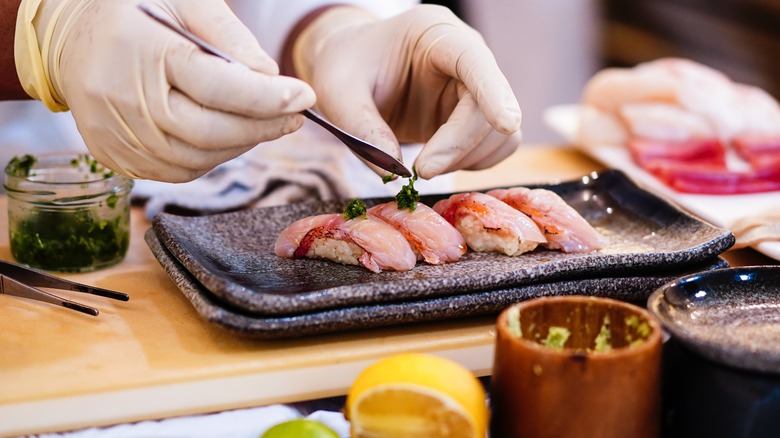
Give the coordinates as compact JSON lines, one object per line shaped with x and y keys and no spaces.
{"x":387,"y":178}
{"x":556,"y":337}
{"x":20,"y":166}
{"x":69,"y":241}
{"x":354,"y":208}
{"x":408,"y":196}
{"x":112,"y":200}
{"x":92,"y":164}
{"x":604,"y":338}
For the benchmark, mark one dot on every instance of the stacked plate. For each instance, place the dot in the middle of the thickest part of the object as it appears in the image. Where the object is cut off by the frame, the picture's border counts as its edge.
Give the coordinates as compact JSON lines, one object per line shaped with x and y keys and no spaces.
{"x":225,"y":265}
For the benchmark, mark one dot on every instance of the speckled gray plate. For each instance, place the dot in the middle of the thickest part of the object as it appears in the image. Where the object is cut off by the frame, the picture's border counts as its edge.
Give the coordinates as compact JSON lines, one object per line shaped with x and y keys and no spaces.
{"x":231,"y":254}
{"x":731,"y":316}
{"x":210,"y":308}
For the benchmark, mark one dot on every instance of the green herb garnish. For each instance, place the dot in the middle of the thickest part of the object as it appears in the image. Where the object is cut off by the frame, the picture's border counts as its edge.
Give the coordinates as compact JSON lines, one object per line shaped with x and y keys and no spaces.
{"x":20,"y":166}
{"x":354,"y":208}
{"x":408,"y":196}
{"x":387,"y":178}
{"x":69,"y":241}
{"x":92,"y":164}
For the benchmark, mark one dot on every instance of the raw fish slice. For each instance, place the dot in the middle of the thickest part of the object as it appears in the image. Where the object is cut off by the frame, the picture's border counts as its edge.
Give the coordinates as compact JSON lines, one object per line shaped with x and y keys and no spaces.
{"x":488,"y":224}
{"x":563,"y":226}
{"x":717,"y":106}
{"x":290,"y":239}
{"x":435,"y":239}
{"x":360,"y":241}
{"x":598,"y":128}
{"x":665,"y":122}
{"x":384,"y":246}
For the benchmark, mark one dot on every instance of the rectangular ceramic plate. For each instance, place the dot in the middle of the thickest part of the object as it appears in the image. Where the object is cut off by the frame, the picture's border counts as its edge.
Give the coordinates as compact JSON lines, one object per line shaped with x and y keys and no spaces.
{"x":721,"y":210}
{"x":231,"y":254}
{"x":210,"y":308}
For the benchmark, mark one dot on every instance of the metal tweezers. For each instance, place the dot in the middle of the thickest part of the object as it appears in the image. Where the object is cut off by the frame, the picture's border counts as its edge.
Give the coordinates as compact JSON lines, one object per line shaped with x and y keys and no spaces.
{"x":24,"y":282}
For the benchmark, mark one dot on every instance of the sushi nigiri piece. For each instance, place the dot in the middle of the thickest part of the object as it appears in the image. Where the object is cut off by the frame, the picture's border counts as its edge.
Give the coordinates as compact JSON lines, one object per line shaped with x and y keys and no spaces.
{"x":562,"y":225}
{"x":488,"y":224}
{"x":363,"y":240}
{"x":296,"y":239}
{"x":429,"y":234}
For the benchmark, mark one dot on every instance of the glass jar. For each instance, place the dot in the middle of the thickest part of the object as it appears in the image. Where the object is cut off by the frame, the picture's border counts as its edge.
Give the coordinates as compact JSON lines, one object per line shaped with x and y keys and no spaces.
{"x":66,"y":212}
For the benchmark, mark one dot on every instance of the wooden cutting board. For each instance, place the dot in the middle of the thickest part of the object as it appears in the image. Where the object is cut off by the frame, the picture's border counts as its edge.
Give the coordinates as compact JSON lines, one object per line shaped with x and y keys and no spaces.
{"x":153,"y":357}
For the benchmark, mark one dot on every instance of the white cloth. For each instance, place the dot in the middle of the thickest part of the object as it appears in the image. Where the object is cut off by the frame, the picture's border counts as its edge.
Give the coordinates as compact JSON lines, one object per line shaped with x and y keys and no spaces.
{"x":241,"y":423}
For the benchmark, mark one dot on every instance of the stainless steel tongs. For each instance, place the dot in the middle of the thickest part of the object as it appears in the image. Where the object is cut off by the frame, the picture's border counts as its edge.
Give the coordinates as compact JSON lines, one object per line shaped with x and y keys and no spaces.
{"x":24,"y":282}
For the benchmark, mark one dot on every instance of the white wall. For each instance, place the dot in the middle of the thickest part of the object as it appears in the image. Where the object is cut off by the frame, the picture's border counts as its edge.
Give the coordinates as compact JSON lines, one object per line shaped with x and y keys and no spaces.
{"x":546,"y":48}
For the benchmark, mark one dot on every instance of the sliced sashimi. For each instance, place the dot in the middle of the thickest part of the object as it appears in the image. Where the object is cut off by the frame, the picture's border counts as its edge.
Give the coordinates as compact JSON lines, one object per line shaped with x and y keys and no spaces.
{"x":364,"y":241}
{"x":430,"y":235}
{"x":384,"y":246}
{"x":488,"y":224}
{"x":299,"y":235}
{"x":563,"y":227}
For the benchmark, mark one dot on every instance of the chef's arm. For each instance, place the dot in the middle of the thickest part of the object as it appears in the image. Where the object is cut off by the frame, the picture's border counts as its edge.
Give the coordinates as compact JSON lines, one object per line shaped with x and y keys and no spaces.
{"x":10,"y":88}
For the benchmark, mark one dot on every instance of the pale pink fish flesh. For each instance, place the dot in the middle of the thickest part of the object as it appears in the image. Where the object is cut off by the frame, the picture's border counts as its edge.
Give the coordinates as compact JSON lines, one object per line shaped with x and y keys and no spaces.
{"x":563,"y":226}
{"x":384,"y":246}
{"x":496,"y":218}
{"x":290,"y":238}
{"x":436,"y":240}
{"x":377,"y":245}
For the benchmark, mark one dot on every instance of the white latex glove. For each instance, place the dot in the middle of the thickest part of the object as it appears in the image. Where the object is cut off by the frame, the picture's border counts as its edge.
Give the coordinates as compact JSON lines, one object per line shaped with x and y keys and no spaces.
{"x":421,"y":76}
{"x":149,"y":103}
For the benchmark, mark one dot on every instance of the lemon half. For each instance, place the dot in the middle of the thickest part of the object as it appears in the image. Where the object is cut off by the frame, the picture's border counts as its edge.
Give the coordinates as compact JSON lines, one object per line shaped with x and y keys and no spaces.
{"x":412,"y":394}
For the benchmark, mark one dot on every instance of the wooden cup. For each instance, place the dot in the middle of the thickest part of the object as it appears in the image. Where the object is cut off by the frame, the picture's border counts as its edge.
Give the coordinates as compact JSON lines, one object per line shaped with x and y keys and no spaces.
{"x":539,"y":391}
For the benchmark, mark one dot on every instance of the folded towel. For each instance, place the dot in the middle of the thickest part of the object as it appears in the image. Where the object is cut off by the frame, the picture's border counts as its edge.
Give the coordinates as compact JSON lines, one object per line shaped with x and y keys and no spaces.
{"x":755,"y":229}
{"x":301,"y":166}
{"x":309,"y":164}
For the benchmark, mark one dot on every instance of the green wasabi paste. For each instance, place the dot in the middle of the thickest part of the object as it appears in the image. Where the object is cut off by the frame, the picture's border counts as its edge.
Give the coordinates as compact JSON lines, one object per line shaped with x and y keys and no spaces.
{"x":642,"y":329}
{"x":513,"y":322}
{"x":556,"y":337}
{"x":604,"y":338}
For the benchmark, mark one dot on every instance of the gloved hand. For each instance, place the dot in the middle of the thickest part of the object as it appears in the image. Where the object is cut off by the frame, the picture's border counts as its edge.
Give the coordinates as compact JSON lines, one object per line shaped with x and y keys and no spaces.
{"x":149,"y":103}
{"x":421,"y":76}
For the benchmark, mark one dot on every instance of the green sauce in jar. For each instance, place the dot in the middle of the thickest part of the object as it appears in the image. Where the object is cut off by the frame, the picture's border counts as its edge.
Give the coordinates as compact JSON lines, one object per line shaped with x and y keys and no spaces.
{"x":66,"y":212}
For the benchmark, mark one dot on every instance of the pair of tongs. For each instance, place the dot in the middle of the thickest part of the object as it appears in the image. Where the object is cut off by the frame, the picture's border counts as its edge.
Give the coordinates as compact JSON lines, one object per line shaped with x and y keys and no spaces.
{"x":24,"y":282}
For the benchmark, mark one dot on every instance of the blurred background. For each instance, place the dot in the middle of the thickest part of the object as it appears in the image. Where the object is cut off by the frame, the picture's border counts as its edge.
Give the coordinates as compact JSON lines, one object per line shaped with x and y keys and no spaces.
{"x":549,"y":48}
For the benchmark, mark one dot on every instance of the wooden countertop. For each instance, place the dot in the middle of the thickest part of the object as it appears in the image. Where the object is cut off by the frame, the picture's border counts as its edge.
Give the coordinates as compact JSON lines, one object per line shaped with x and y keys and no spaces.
{"x":153,"y":357}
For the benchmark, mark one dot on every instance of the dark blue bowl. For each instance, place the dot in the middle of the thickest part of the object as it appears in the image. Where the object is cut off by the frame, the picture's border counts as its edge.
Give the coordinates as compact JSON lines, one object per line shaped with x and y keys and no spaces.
{"x":721,"y":365}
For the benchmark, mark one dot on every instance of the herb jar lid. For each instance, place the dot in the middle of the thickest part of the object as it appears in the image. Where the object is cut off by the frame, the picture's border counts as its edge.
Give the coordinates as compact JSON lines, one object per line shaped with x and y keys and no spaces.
{"x":66,"y":212}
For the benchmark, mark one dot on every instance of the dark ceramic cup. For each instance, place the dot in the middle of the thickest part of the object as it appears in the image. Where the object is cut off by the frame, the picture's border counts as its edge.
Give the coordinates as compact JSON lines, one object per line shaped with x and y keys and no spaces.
{"x":541,"y":388}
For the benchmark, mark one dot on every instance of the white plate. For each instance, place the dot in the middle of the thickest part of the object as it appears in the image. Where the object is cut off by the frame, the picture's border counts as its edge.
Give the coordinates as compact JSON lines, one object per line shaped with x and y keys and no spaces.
{"x":719,"y":210}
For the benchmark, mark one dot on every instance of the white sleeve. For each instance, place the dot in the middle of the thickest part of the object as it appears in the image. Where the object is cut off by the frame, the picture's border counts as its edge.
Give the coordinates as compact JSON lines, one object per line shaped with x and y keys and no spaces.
{"x":272,"y":20}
